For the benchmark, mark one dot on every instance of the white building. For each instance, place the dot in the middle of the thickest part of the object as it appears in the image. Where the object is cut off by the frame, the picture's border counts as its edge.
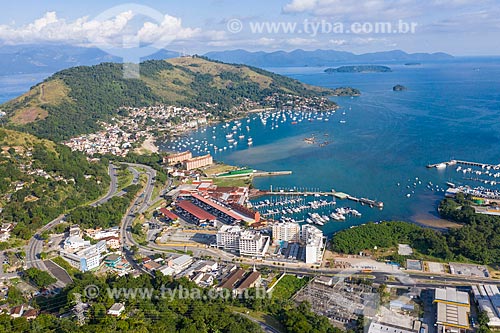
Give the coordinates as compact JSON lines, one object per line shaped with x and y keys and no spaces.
{"x":100,"y":234}
{"x":228,"y":238}
{"x":87,"y":258}
{"x":246,"y":242}
{"x":116,"y":309}
{"x":73,"y":243}
{"x":453,"y":310}
{"x":487,"y":298}
{"x":253,"y":244}
{"x":312,"y":238}
{"x":287,"y":231}
{"x":176,"y":265}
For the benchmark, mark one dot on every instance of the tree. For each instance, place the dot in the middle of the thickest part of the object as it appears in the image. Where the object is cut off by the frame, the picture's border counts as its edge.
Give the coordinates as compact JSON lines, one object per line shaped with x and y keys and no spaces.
{"x":38,"y":277}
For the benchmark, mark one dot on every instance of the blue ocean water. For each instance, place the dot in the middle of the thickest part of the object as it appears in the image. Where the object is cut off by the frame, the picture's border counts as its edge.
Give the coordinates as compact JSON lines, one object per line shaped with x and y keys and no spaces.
{"x":451,"y":110}
{"x":12,"y":86}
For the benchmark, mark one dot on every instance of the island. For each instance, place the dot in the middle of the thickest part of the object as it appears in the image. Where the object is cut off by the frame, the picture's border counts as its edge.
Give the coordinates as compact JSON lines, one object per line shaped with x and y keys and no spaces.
{"x":413,"y":64}
{"x":399,"y":87}
{"x":346,"y":91}
{"x":359,"y":69}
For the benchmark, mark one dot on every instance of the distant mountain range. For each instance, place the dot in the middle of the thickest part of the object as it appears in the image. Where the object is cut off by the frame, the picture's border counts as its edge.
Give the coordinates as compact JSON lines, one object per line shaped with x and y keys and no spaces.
{"x":52,"y":58}
{"x":320,"y":57}
{"x":23,"y":59}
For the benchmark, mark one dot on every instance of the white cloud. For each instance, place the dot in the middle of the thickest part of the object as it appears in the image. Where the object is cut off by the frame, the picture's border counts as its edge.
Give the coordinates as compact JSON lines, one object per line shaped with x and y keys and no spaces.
{"x":264,"y":41}
{"x":300,"y":42}
{"x":338,"y":42}
{"x":91,"y":32}
{"x":297,"y":6}
{"x":355,"y":10}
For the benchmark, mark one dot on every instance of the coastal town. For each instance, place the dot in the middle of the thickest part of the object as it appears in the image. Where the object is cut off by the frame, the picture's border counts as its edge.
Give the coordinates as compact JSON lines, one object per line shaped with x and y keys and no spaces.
{"x":224,"y":242}
{"x":133,"y":129}
{"x":203,"y":225}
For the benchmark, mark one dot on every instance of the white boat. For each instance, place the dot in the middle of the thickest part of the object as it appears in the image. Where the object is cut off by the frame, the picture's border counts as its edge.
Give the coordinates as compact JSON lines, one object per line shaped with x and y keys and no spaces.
{"x":441,"y":166}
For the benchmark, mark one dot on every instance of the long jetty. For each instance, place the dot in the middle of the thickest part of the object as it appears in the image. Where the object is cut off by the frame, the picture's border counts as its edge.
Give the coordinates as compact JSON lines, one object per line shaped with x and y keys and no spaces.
{"x":476,"y":164}
{"x":339,"y":195}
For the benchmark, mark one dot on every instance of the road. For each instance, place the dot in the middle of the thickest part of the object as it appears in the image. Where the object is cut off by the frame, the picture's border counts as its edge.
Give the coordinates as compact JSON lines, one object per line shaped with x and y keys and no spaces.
{"x":113,"y":186}
{"x":265,"y":327}
{"x":35,"y":244}
{"x":138,"y":206}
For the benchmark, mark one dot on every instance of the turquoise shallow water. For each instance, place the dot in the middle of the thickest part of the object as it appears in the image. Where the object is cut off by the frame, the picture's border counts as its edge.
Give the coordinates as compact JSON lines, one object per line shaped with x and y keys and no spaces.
{"x":450,"y":110}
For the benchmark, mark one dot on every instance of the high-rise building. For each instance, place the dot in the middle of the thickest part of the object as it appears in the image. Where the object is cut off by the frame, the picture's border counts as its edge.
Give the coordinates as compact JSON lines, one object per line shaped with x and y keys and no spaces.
{"x":253,"y":244}
{"x":246,"y":243}
{"x":313,"y":240}
{"x":172,"y":159}
{"x":286,"y":231}
{"x":228,"y":238}
{"x":197,"y":162}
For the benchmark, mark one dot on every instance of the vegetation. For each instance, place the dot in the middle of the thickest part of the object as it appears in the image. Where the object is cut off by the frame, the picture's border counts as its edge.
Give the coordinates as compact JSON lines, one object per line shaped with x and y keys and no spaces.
{"x":302,"y":320}
{"x":41,"y":179}
{"x":288,"y":286}
{"x":39,"y":278}
{"x":389,"y":234}
{"x":483,"y":320}
{"x":477,"y":240}
{"x":72,"y":101}
{"x":106,"y":215}
{"x":167,"y":313}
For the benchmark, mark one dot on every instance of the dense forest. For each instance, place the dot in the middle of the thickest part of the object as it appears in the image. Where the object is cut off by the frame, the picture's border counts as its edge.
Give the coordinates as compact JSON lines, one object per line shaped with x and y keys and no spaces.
{"x":479,"y":237}
{"x":72,"y":101}
{"x":106,"y":215}
{"x":40,"y":180}
{"x":172,"y":313}
{"x":390,"y":234}
{"x":477,"y":240}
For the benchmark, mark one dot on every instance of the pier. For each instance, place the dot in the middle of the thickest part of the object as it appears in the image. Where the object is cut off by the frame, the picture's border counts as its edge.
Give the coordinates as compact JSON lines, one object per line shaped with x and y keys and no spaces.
{"x":271,"y":173}
{"x":333,"y":193}
{"x":454,"y":162}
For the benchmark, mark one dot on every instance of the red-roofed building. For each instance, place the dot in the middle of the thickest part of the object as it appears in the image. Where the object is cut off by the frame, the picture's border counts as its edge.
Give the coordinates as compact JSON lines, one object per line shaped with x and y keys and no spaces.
{"x":190,"y":210}
{"x":250,"y":213}
{"x":221,"y":212}
{"x":169,"y":215}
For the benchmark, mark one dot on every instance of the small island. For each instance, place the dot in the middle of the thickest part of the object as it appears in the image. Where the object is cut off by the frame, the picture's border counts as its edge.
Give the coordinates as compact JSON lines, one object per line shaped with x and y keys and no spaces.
{"x":413,"y":64}
{"x":346,"y":91}
{"x":359,"y":69}
{"x":399,"y":87}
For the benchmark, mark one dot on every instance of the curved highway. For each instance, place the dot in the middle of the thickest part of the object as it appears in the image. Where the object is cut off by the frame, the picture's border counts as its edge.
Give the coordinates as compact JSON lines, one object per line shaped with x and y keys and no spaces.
{"x":35,"y":244}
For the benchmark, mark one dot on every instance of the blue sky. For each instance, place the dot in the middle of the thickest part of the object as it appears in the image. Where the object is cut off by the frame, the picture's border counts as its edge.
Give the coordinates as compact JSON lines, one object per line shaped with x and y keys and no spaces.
{"x":459,"y":27}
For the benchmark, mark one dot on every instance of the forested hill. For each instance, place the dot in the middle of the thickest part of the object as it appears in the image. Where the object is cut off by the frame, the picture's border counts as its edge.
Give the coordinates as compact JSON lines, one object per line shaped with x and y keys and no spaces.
{"x":72,"y":101}
{"x":40,"y":179}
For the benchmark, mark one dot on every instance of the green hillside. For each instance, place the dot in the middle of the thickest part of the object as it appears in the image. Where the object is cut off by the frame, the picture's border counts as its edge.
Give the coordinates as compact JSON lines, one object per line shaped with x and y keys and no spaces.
{"x":40,"y":179}
{"x":72,"y":101}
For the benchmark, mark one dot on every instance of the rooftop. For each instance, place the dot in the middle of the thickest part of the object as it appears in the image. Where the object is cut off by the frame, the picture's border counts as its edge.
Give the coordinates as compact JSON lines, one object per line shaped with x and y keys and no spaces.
{"x":451,"y":295}
{"x":195,"y":210}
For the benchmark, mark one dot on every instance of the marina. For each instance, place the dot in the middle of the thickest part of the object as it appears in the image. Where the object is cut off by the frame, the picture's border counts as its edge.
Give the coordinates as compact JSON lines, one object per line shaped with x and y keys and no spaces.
{"x":333,"y":193}
{"x":455,"y":162}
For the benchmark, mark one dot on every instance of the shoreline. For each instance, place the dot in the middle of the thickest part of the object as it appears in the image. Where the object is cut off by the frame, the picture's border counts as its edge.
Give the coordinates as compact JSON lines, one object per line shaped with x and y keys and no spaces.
{"x":150,"y":145}
{"x":429,"y":221}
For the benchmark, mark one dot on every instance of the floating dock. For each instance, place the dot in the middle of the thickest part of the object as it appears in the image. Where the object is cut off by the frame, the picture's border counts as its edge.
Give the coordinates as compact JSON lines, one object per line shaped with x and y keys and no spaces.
{"x":339,"y":195}
{"x":454,"y":162}
{"x":271,"y":173}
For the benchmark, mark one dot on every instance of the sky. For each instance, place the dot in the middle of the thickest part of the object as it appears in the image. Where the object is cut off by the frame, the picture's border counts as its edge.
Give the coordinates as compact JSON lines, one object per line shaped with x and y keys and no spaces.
{"x":458,"y":27}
